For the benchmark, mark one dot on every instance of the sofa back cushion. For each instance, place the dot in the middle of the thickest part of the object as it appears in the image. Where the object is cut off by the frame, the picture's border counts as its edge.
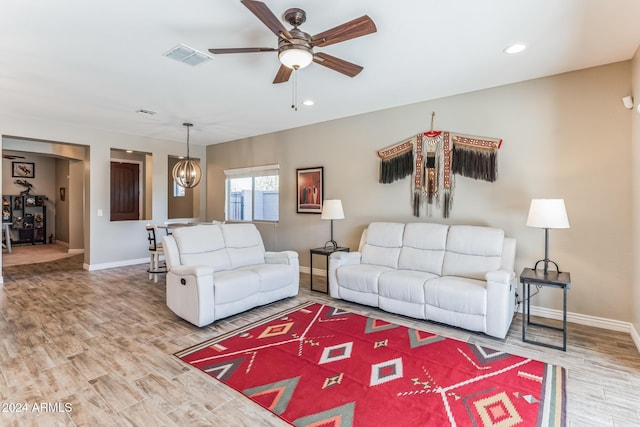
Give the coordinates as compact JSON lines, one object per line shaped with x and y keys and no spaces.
{"x":423,"y":247}
{"x":244,"y":244}
{"x":472,"y":251}
{"x":202,"y":245}
{"x":382,"y":247}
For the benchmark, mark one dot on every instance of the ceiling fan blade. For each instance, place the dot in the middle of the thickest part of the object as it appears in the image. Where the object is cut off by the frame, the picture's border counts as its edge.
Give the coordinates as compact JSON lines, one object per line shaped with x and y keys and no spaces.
{"x":349,"y":30}
{"x":242,"y":50}
{"x":263,"y":13}
{"x":337,"y":64}
{"x":282,"y":75}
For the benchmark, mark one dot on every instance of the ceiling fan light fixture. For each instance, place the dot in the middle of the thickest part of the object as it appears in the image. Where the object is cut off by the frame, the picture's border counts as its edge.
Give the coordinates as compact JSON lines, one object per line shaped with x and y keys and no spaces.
{"x":295,"y":56}
{"x":515,"y":48}
{"x":187,"y":173}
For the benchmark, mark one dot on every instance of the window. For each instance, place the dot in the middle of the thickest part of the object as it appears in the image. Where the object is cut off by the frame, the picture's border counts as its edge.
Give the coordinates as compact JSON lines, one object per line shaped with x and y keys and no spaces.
{"x":253,"y":194}
{"x":178,"y":191}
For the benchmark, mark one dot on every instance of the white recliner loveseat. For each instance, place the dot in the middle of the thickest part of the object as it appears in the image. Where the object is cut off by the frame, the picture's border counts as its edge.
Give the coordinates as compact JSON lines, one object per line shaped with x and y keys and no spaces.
{"x":217,"y":270}
{"x":458,"y":275}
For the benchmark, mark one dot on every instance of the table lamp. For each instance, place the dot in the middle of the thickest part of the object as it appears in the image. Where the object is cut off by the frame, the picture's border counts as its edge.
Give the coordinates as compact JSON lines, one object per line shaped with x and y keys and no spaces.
{"x":332,"y":209}
{"x":547,"y":213}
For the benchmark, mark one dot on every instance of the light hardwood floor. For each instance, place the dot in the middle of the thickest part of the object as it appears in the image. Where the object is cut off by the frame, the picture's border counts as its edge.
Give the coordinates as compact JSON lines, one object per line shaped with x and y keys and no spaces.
{"x":96,"y":348}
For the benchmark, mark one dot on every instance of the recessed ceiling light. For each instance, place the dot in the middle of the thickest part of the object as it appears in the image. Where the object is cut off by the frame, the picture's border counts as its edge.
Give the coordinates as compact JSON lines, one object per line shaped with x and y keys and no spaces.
{"x":515,"y":48}
{"x":308,"y":102}
{"x":129,"y":151}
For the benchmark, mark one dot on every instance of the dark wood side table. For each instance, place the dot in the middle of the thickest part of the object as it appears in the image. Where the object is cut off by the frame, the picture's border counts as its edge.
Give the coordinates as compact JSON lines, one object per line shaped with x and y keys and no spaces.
{"x":326,"y":252}
{"x":553,"y":279}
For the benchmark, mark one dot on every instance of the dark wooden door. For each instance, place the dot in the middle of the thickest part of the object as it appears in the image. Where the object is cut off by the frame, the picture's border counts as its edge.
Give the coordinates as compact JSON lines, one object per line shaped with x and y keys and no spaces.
{"x":125,"y":191}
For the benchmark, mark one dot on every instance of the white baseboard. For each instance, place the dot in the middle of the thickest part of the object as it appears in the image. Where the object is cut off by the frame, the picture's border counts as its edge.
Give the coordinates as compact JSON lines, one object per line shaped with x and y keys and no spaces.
{"x":582,"y":319}
{"x":106,"y":265}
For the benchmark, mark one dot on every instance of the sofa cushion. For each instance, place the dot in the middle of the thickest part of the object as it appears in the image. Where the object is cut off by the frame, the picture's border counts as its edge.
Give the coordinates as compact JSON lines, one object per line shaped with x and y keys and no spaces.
{"x":360,"y":277}
{"x":234,"y":285}
{"x":472,"y":251}
{"x":272,"y":276}
{"x":244,"y":244}
{"x":384,"y":240}
{"x":423,"y":247}
{"x":202,"y":245}
{"x":457,"y":294}
{"x":404,"y":285}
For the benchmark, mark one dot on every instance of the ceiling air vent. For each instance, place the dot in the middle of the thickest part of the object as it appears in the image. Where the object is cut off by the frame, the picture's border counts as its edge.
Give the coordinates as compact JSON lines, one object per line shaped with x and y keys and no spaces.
{"x":185,"y":54}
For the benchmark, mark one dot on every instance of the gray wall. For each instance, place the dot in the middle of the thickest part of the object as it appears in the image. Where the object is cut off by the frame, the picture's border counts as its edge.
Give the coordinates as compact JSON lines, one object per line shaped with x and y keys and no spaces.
{"x":565,"y":136}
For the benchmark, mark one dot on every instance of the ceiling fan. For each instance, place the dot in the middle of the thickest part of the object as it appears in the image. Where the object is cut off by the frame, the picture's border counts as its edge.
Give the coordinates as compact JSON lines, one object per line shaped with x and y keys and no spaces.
{"x":12,"y":156}
{"x":295,"y":47}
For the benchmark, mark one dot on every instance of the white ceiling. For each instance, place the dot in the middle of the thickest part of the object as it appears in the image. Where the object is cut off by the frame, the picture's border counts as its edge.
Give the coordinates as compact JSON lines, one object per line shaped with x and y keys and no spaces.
{"x":97,"y":63}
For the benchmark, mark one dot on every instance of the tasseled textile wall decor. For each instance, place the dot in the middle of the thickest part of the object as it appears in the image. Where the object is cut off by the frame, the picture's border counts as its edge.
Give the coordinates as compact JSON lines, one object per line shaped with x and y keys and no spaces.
{"x":475,"y":157}
{"x":396,"y":162}
{"x":433,"y":157}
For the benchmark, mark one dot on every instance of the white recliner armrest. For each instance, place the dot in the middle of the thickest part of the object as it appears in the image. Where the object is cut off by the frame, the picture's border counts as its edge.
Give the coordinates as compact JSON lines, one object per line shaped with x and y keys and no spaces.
{"x":336,"y":260}
{"x":190,"y":293}
{"x":501,"y":288}
{"x":282,"y":257}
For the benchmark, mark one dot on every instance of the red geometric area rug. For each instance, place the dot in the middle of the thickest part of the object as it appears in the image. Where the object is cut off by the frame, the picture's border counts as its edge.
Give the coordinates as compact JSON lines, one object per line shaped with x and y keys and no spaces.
{"x":316,"y":365}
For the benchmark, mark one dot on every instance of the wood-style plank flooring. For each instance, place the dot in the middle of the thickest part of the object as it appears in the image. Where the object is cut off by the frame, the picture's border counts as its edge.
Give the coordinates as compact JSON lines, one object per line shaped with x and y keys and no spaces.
{"x":96,"y":349}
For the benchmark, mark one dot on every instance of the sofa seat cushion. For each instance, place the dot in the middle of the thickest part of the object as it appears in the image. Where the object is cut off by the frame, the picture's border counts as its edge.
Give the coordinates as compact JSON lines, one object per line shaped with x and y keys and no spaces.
{"x":234,"y":285}
{"x":404,"y":285}
{"x":272,"y":276}
{"x":457,"y":294}
{"x":360,"y":277}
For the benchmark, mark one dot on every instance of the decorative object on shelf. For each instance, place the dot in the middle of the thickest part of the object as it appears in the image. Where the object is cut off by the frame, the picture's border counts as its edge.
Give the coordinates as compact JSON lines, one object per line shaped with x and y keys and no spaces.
{"x":475,"y":157}
{"x":26,"y":184}
{"x":547,"y":213}
{"x":309,"y":190}
{"x":23,"y":170}
{"x":433,"y":157}
{"x":332,"y":209}
{"x":187,"y":173}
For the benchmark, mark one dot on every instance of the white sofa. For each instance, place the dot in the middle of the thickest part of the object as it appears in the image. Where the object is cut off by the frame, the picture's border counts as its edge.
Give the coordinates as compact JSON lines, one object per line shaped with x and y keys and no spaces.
{"x":459,"y":275}
{"x":217,"y":270}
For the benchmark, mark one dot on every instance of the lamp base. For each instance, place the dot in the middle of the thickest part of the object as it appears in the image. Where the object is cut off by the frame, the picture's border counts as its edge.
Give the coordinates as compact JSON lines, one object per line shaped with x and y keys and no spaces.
{"x":546,"y":262}
{"x":331,"y":244}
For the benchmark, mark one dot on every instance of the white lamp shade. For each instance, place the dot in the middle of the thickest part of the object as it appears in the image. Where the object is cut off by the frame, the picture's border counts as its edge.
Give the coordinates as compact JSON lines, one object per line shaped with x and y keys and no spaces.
{"x":547,"y":213}
{"x":332,"y":209}
{"x":295,"y":57}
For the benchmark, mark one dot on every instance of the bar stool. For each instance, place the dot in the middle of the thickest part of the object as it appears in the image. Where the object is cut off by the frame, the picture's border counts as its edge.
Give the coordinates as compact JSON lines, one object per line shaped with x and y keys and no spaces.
{"x":155,"y":250}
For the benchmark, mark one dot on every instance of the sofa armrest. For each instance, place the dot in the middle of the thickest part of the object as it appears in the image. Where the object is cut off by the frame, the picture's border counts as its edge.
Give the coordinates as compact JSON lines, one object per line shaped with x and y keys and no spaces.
{"x":171,"y":252}
{"x":192,"y":270}
{"x":345,"y":258}
{"x":500,"y":276}
{"x":336,"y":260}
{"x":282,"y":257}
{"x":501,"y":295}
{"x":190,"y":293}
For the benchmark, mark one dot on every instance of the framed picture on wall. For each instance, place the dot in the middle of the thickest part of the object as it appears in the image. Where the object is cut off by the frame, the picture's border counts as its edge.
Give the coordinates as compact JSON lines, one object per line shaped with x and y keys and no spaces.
{"x":23,"y":170}
{"x":309,"y":190}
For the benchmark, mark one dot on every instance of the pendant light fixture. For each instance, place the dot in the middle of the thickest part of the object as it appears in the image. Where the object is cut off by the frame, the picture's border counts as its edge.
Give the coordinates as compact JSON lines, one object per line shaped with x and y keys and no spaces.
{"x":187,"y":173}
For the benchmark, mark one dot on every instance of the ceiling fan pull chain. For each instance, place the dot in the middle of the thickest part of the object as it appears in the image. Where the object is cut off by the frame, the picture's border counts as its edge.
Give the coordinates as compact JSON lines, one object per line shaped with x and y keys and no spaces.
{"x":294,"y":91}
